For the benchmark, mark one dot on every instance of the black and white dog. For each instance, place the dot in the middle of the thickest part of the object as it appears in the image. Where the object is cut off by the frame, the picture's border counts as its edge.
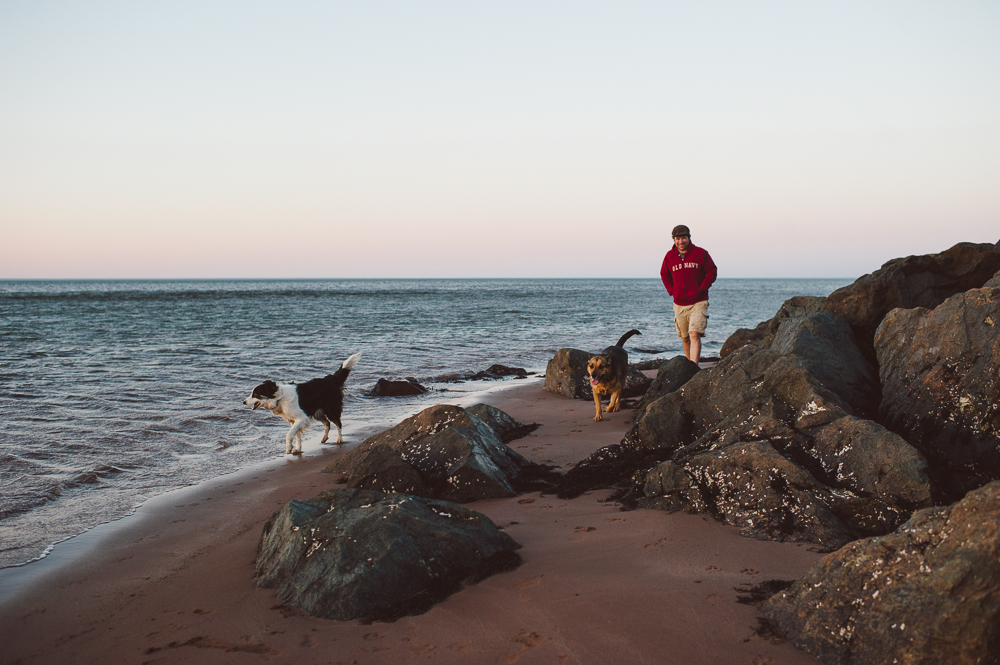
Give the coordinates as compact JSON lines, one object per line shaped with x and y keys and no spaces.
{"x":320,"y":399}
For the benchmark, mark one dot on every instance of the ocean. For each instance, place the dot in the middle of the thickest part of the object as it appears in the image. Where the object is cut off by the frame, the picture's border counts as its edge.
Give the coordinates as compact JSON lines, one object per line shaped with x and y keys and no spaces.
{"x":112,"y":392}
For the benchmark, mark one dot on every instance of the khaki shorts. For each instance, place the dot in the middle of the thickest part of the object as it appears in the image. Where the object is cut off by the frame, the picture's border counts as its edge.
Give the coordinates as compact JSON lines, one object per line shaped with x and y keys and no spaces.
{"x":691,"y":318}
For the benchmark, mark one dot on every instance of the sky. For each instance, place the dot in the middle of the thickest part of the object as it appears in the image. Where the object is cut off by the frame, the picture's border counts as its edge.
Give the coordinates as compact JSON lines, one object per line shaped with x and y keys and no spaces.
{"x":505,"y":139}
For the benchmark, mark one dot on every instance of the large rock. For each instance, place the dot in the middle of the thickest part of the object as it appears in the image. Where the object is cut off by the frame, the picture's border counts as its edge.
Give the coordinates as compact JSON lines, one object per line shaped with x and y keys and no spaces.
{"x":442,"y":452}
{"x":743,"y":336}
{"x":941,"y":387}
{"x":928,"y":593}
{"x":355,"y":554}
{"x":671,"y":375}
{"x":566,"y":375}
{"x":826,"y":346}
{"x":765,"y":331}
{"x":914,"y":281}
{"x":773,"y":441}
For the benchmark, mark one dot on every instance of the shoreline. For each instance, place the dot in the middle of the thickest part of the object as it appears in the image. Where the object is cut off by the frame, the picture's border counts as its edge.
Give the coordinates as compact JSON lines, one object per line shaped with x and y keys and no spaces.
{"x":14,"y":578}
{"x":173,"y":582}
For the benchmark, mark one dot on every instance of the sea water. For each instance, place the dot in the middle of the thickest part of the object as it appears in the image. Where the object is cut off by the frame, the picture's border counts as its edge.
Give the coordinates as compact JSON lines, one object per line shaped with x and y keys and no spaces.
{"x":115,"y":391}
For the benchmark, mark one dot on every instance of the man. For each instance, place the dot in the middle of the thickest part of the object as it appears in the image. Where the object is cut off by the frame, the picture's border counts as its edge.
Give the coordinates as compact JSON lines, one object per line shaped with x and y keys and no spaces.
{"x":688,"y":272}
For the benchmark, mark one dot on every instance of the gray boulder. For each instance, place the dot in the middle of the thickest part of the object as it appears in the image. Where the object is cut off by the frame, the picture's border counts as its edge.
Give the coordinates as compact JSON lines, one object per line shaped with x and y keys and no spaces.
{"x":928,"y":593}
{"x":442,"y":452}
{"x":940,"y":387}
{"x":354,"y":554}
{"x":743,"y":336}
{"x":913,"y":281}
{"x":566,"y":375}
{"x":765,"y":331}
{"x":671,"y":375}
{"x":826,"y":347}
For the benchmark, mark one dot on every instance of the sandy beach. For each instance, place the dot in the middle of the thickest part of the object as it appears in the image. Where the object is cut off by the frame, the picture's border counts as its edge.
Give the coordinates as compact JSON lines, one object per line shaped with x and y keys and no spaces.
{"x":175,"y":582}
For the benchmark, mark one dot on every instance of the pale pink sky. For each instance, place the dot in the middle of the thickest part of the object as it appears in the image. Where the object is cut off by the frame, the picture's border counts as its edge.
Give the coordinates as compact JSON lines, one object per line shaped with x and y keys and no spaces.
{"x":523,"y":139}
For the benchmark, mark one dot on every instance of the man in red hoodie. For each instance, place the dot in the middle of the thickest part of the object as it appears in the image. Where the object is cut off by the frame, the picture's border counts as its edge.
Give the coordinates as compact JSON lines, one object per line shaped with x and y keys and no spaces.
{"x":688,"y":272}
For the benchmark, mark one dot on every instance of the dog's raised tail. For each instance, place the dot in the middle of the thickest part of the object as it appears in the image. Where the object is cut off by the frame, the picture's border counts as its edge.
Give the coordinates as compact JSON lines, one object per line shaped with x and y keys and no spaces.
{"x":352,"y":361}
{"x":625,"y":337}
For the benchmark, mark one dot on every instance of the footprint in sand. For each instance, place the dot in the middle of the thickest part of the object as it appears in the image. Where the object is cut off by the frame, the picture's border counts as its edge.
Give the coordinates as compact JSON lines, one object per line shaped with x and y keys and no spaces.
{"x":527,"y":582}
{"x":528,"y":641}
{"x":585,"y":529}
{"x":750,"y":571}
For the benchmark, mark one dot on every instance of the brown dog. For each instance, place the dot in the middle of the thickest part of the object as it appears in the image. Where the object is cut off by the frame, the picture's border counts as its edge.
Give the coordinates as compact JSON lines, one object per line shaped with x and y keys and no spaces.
{"x":608,"y":372}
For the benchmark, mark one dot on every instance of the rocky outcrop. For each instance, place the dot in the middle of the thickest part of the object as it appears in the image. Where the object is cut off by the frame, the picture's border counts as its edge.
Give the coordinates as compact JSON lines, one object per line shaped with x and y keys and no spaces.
{"x":928,"y":593}
{"x":742,"y":337}
{"x":566,"y":375}
{"x":914,"y":281}
{"x":396,"y":388}
{"x":765,"y":331}
{"x":941,"y":387}
{"x":355,"y":554}
{"x":773,"y":441}
{"x":443,"y":452}
{"x":671,"y":375}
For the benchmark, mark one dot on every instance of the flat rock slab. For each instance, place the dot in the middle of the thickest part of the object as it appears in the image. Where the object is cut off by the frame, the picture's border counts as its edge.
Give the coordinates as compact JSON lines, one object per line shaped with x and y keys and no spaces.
{"x":355,"y":554}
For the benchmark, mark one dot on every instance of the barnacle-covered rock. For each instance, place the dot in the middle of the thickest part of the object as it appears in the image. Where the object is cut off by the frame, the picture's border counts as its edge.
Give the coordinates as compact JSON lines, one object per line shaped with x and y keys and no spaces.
{"x":355,"y":554}
{"x":443,"y":452}
{"x":824,"y":474}
{"x":940,"y":372}
{"x":928,"y":593}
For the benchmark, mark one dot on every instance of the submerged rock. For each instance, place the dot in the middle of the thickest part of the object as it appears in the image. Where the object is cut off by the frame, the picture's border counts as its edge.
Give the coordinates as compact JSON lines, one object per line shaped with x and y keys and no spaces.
{"x":396,"y":388}
{"x":499,"y":372}
{"x":355,"y":554}
{"x":929,"y":593}
{"x":941,"y":387}
{"x":442,"y":452}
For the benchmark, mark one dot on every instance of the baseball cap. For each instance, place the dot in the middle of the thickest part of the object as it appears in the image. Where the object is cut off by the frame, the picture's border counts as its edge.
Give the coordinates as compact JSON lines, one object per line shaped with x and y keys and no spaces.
{"x":680,"y":230}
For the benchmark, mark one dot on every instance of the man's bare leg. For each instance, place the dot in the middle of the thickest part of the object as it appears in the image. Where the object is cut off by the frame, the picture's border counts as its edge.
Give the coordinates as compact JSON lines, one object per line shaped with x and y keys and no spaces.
{"x":686,"y":341}
{"x":692,"y":347}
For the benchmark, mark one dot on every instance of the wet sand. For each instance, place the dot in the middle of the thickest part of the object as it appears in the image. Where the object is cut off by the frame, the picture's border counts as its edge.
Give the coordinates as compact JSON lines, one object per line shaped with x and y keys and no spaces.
{"x":175,"y":582}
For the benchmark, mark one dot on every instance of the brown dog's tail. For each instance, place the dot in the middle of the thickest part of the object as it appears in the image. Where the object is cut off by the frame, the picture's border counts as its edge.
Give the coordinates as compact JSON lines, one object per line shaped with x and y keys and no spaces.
{"x":625,"y":337}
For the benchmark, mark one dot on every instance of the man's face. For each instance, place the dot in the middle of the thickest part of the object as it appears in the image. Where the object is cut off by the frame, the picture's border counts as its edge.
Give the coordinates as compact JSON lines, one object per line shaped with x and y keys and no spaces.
{"x":682,"y":243}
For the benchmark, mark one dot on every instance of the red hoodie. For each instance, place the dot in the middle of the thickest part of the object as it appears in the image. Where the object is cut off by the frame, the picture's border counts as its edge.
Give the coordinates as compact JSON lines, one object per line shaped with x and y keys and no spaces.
{"x":687,"y":279}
